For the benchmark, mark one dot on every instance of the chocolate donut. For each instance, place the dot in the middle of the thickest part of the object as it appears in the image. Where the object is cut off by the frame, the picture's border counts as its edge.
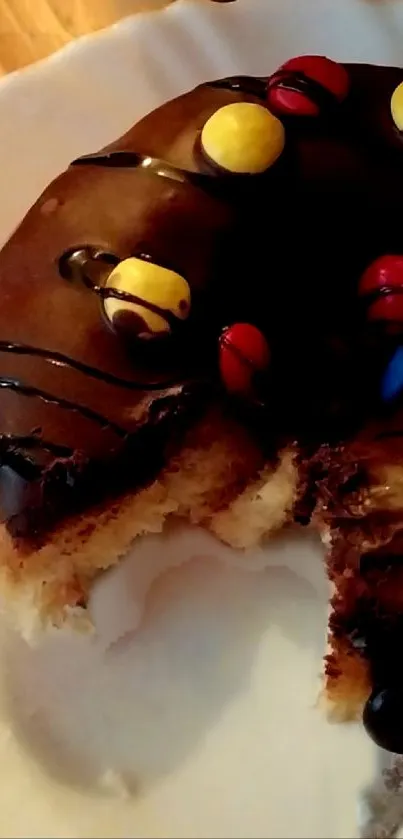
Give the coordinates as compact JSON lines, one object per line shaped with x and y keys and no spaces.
{"x":130,"y":294}
{"x":284,"y":247}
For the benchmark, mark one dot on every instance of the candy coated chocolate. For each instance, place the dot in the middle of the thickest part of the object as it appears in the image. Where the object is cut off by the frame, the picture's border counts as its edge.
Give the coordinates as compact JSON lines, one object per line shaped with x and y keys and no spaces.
{"x":307,"y":85}
{"x":243,"y":138}
{"x":381,"y":286}
{"x":161,"y":293}
{"x":396,"y":106}
{"x":383,"y":718}
{"x":392,"y":380}
{"x":244,"y":352}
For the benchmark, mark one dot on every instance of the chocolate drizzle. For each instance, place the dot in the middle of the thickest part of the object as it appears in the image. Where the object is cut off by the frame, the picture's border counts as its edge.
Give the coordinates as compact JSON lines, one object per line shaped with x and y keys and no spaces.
{"x":249,"y":85}
{"x":242,"y":357}
{"x":59,"y":359}
{"x":371,"y":297}
{"x":293,"y":80}
{"x":8,"y":383}
{"x":132,"y":160}
{"x":389,"y":435}
{"x":299,"y":82}
{"x":154,"y":165}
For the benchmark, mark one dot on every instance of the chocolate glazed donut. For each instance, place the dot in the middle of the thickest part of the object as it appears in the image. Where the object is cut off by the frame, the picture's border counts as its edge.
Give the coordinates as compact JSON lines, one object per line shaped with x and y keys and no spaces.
{"x":82,"y":411}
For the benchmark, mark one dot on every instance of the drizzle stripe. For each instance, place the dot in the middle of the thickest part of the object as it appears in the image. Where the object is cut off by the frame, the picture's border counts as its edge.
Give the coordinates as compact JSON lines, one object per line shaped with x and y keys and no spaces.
{"x":16,"y":386}
{"x":58,"y":359}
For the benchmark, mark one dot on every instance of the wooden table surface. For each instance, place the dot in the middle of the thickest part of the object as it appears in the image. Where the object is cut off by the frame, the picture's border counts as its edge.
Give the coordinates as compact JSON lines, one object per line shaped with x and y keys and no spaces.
{"x":32,"y":29}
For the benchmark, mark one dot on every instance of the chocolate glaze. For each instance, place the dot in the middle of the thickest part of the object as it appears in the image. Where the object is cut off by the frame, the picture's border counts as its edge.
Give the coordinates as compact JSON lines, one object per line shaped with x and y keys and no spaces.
{"x":283,"y":250}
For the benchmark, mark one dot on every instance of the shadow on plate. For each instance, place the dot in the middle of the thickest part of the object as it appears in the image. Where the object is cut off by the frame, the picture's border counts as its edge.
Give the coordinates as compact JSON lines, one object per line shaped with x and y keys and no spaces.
{"x":120,"y":718}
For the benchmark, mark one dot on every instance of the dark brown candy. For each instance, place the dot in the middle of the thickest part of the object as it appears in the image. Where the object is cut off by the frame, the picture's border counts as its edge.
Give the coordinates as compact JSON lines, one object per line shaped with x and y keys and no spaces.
{"x":383,"y":718}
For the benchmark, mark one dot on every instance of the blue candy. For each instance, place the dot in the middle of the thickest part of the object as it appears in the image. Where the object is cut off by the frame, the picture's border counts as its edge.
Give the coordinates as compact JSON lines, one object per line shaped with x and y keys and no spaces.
{"x":392,"y":380}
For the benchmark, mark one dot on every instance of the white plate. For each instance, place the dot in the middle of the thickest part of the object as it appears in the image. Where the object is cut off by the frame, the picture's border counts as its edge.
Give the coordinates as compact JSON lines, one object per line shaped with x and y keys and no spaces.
{"x":202,"y":721}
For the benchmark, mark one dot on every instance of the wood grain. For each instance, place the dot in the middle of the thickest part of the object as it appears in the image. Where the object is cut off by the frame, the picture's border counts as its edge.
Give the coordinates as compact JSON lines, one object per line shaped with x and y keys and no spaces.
{"x":32,"y":29}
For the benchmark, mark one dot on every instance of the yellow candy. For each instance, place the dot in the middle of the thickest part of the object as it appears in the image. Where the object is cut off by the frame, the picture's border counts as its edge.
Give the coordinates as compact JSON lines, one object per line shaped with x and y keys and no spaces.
{"x":243,"y":138}
{"x":153,"y":284}
{"x":396,"y":106}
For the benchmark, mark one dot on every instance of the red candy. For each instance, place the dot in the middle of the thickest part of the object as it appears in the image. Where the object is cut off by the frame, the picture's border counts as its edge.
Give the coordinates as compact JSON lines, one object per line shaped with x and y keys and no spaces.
{"x":244,"y":352}
{"x":382,"y":284}
{"x":306,"y":85}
